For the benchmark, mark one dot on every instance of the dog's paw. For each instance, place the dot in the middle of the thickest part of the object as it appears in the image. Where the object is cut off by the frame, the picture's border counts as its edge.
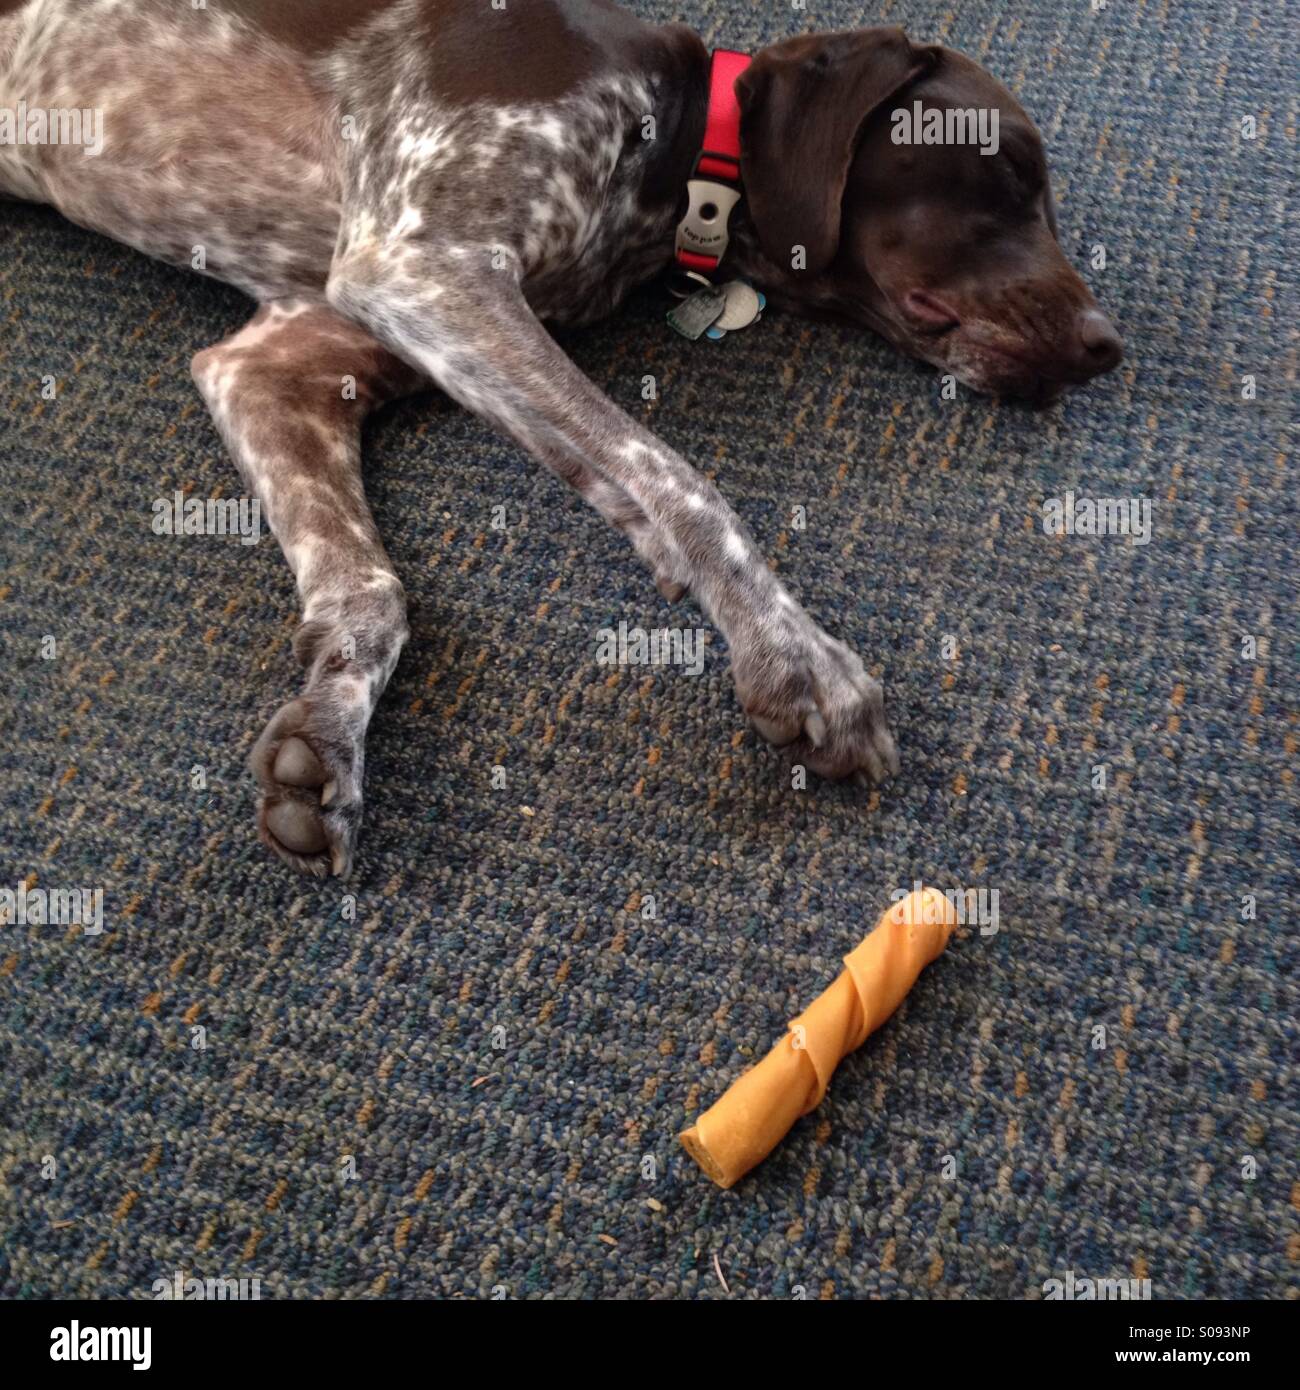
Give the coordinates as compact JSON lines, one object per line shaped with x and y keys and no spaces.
{"x":810,"y":694}
{"x":308,"y":764}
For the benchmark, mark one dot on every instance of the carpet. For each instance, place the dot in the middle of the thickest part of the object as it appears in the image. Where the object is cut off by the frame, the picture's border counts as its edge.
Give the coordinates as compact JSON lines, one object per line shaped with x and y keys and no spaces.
{"x":463,"y":1074}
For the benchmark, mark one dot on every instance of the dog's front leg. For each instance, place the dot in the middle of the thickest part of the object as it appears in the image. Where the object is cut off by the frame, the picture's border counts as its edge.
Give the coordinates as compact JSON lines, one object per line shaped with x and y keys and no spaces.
{"x":288,"y":393}
{"x":458,"y":314}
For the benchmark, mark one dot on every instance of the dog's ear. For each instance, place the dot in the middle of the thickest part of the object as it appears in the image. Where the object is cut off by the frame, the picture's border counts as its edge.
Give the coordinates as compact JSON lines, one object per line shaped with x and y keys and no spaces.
{"x":802,"y":106}
{"x":1050,"y":204}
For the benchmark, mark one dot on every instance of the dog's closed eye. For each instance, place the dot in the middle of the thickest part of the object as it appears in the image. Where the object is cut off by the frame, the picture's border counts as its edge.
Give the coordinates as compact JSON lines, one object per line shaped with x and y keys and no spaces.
{"x":1027,"y":170}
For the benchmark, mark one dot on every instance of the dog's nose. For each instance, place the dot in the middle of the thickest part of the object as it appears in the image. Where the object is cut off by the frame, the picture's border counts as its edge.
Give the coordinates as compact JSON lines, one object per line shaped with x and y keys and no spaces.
{"x":1100,"y":347}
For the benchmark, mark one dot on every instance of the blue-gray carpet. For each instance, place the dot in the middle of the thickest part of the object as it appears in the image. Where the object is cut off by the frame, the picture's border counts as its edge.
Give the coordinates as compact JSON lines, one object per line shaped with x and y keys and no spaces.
{"x":474,"y":1083}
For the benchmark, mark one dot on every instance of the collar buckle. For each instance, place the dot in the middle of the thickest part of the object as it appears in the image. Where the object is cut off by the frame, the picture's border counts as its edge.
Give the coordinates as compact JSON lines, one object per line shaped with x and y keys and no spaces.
{"x":714,"y":186}
{"x":702,"y":236}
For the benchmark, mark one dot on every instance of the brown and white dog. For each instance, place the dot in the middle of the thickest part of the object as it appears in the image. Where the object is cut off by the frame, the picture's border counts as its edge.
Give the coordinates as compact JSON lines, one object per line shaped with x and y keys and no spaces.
{"x":409,"y":188}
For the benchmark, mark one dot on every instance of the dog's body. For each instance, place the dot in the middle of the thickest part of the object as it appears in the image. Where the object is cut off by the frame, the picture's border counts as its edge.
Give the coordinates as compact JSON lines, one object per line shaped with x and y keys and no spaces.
{"x":408,"y":186}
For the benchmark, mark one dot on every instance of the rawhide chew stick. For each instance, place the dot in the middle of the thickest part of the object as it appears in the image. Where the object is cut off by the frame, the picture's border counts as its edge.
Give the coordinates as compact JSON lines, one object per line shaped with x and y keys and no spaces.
{"x":752,"y":1118}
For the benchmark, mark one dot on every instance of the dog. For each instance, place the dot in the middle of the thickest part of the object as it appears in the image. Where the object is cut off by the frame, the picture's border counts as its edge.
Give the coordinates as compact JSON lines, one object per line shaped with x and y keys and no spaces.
{"x":410,"y":189}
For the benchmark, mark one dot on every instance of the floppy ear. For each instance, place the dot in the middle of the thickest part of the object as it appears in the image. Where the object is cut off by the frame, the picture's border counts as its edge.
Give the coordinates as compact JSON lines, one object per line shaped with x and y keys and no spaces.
{"x":1050,"y":204}
{"x":802,"y":106}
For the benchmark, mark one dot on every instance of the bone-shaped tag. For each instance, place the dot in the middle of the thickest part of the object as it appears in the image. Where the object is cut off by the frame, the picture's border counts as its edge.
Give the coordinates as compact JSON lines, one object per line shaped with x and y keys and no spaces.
{"x":697,"y":311}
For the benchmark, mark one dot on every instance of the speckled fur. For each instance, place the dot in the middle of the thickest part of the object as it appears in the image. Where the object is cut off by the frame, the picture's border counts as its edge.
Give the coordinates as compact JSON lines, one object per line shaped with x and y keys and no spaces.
{"x":373,"y":222}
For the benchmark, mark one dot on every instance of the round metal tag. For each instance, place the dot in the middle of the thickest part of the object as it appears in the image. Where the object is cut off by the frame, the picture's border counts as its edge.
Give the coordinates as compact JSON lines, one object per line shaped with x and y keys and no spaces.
{"x":742,"y":307}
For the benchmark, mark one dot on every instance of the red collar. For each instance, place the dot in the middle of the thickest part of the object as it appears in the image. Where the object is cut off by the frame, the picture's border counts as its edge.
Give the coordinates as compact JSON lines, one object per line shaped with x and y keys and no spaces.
{"x":720,"y":156}
{"x":714,"y":185}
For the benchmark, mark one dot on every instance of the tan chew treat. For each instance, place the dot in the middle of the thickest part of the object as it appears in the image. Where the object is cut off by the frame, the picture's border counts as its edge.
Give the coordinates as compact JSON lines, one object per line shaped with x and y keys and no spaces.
{"x":752,"y":1118}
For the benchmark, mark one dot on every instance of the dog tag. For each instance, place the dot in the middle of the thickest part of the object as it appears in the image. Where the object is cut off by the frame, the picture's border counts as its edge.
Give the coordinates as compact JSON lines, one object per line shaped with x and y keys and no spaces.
{"x":744,"y":305}
{"x":697,"y":312}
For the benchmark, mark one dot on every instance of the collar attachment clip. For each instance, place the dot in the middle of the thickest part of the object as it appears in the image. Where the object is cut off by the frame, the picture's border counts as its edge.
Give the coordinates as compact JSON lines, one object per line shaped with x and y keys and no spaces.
{"x":702,"y":236}
{"x":714,"y":186}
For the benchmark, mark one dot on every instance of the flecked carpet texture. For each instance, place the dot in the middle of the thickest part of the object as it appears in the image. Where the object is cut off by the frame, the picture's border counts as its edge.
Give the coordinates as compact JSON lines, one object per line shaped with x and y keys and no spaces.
{"x":467,"y":1079}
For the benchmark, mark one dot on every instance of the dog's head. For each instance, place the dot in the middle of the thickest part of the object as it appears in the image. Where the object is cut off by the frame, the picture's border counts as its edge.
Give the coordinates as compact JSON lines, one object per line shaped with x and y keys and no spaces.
{"x":948,"y":251}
